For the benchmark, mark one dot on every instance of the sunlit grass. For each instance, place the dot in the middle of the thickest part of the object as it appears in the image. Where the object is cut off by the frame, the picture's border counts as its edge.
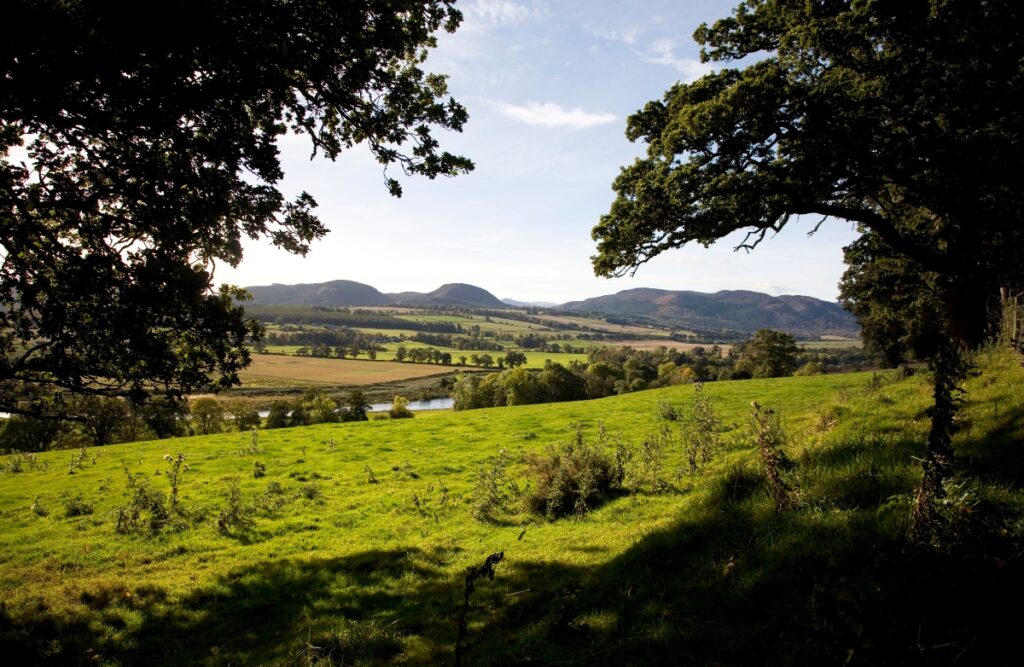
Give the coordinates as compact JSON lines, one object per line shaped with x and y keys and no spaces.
{"x":370,"y":561}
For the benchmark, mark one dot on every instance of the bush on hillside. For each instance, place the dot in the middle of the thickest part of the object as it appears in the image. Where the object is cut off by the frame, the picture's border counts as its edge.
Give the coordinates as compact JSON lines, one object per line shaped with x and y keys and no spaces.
{"x":572,"y":478}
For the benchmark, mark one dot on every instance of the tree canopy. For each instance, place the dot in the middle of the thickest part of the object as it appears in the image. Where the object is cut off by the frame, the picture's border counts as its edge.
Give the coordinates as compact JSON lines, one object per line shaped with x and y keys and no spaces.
{"x":138,"y":148}
{"x":769,"y":354}
{"x":900,"y":115}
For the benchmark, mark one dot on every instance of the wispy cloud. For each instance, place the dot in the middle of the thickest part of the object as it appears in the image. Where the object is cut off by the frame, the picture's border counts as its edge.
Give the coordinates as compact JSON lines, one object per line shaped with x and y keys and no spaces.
{"x":626,"y":36}
{"x":662,"y":52}
{"x":500,"y":12}
{"x":548,"y":114}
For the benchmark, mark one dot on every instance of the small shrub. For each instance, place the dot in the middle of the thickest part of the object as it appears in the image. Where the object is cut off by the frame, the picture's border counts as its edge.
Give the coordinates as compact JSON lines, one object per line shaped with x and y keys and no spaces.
{"x":570,"y":479}
{"x":769,"y":436}
{"x":494,"y":491}
{"x":400,"y":408}
{"x":259,"y":469}
{"x":668,"y":412}
{"x":178,"y":468}
{"x":237,"y":514}
{"x":652,"y":459}
{"x":370,"y":477}
{"x":311,"y":492}
{"x":146,"y":509}
{"x":704,"y":429}
{"x":77,"y":461}
{"x":271,"y":500}
{"x":76,"y":505}
{"x":38,"y":508}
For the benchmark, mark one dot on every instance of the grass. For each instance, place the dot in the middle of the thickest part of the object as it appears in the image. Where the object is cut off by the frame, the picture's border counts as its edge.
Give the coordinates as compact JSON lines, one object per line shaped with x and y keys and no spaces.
{"x":355,"y":571}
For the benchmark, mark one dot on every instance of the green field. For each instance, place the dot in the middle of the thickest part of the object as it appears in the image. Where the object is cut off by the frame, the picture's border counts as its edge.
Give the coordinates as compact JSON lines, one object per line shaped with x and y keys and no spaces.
{"x":533,"y":359}
{"x":363,"y":560}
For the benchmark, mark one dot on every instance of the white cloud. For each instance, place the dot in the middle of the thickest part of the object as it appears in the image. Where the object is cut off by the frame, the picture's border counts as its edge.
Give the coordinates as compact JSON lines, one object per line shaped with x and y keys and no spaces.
{"x":627,"y":36}
{"x":500,"y":12}
{"x":662,"y":52}
{"x":548,"y":114}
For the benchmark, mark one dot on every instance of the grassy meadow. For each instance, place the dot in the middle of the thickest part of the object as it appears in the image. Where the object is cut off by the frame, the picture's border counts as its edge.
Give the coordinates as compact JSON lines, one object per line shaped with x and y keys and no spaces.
{"x":348,"y":543}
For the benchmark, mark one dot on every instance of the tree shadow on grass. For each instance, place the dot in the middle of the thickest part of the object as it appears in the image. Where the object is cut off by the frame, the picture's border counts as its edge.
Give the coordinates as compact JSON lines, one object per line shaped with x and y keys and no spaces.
{"x":734,"y":583}
{"x":270,"y":612}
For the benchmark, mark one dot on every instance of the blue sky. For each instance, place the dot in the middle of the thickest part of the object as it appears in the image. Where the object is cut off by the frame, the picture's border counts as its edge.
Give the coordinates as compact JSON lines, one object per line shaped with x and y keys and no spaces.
{"x":548,"y":86}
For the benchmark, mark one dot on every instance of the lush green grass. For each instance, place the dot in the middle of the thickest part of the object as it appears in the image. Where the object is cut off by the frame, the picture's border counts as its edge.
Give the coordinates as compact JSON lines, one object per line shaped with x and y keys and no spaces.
{"x":703,"y":571}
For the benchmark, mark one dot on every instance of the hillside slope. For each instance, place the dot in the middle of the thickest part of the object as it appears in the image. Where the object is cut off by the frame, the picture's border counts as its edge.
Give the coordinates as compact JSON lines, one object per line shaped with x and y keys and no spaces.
{"x":736,"y":310}
{"x":341,"y":293}
{"x":328,"y":295}
{"x":359,"y":537}
{"x":451,"y":294}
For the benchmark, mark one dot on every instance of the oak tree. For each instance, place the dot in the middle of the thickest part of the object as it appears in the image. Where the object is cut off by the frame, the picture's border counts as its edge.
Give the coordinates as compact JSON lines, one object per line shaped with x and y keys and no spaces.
{"x":899,"y":115}
{"x":139,"y":148}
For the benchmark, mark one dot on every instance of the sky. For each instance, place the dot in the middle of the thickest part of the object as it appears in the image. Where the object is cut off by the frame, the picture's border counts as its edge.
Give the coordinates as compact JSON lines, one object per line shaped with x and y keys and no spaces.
{"x":548,"y":86}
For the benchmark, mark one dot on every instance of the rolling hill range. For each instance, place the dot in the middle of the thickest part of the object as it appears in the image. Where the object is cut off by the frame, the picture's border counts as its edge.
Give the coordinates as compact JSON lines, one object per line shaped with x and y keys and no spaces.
{"x":338,"y":293}
{"x":736,"y":310}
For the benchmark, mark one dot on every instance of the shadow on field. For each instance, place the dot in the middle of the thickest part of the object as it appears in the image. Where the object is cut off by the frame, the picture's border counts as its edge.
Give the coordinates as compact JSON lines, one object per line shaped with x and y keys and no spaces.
{"x":829,"y":583}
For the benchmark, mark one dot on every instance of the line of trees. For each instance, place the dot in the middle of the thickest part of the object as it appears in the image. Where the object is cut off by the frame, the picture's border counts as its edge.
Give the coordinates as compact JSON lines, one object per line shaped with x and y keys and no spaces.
{"x":622,"y":370}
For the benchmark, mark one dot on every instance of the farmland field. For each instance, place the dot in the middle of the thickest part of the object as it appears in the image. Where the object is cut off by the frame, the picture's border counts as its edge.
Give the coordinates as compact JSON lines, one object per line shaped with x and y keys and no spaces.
{"x":285,"y":368}
{"x":357,"y":538}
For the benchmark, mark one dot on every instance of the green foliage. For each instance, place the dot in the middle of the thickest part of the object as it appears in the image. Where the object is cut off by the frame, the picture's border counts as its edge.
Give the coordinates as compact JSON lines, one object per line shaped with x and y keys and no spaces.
{"x":496,"y":490}
{"x":768,"y":354}
{"x":400,"y":408}
{"x":115,"y":221}
{"x":653,"y":450}
{"x":207,"y":416}
{"x":277,"y":417}
{"x":237,"y":515}
{"x":146,"y":509}
{"x":703,"y":429}
{"x":77,"y":505}
{"x":356,"y":407}
{"x":572,"y":478}
{"x":769,"y":437}
{"x":668,"y":412}
{"x":896,"y":301}
{"x":835,"y":112}
{"x":839,"y":565}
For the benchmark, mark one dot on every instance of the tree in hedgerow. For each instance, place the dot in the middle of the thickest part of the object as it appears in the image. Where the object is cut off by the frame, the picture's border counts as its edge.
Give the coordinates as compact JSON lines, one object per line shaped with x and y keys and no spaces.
{"x":514,"y":358}
{"x":356,"y":407}
{"x":901,"y":117}
{"x":135,"y":160}
{"x":769,"y":354}
{"x":207,"y":416}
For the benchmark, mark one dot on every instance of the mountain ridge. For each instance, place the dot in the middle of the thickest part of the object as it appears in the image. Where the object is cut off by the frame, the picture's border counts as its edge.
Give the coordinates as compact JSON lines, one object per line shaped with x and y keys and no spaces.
{"x":725,"y":310}
{"x":740,"y":310}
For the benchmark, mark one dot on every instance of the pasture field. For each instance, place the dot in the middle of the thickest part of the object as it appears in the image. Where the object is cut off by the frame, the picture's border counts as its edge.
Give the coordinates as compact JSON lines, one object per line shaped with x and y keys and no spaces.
{"x":534,"y":359}
{"x":657,"y":343}
{"x":359,"y":535}
{"x":271,"y":368}
{"x":830,"y":344}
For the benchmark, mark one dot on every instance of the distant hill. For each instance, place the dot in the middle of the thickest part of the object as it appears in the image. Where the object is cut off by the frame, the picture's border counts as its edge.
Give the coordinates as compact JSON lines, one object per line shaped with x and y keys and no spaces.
{"x":452,"y":294}
{"x":338,"y":293}
{"x":528,"y":304}
{"x":735,"y":310}
{"x":329,"y":295}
